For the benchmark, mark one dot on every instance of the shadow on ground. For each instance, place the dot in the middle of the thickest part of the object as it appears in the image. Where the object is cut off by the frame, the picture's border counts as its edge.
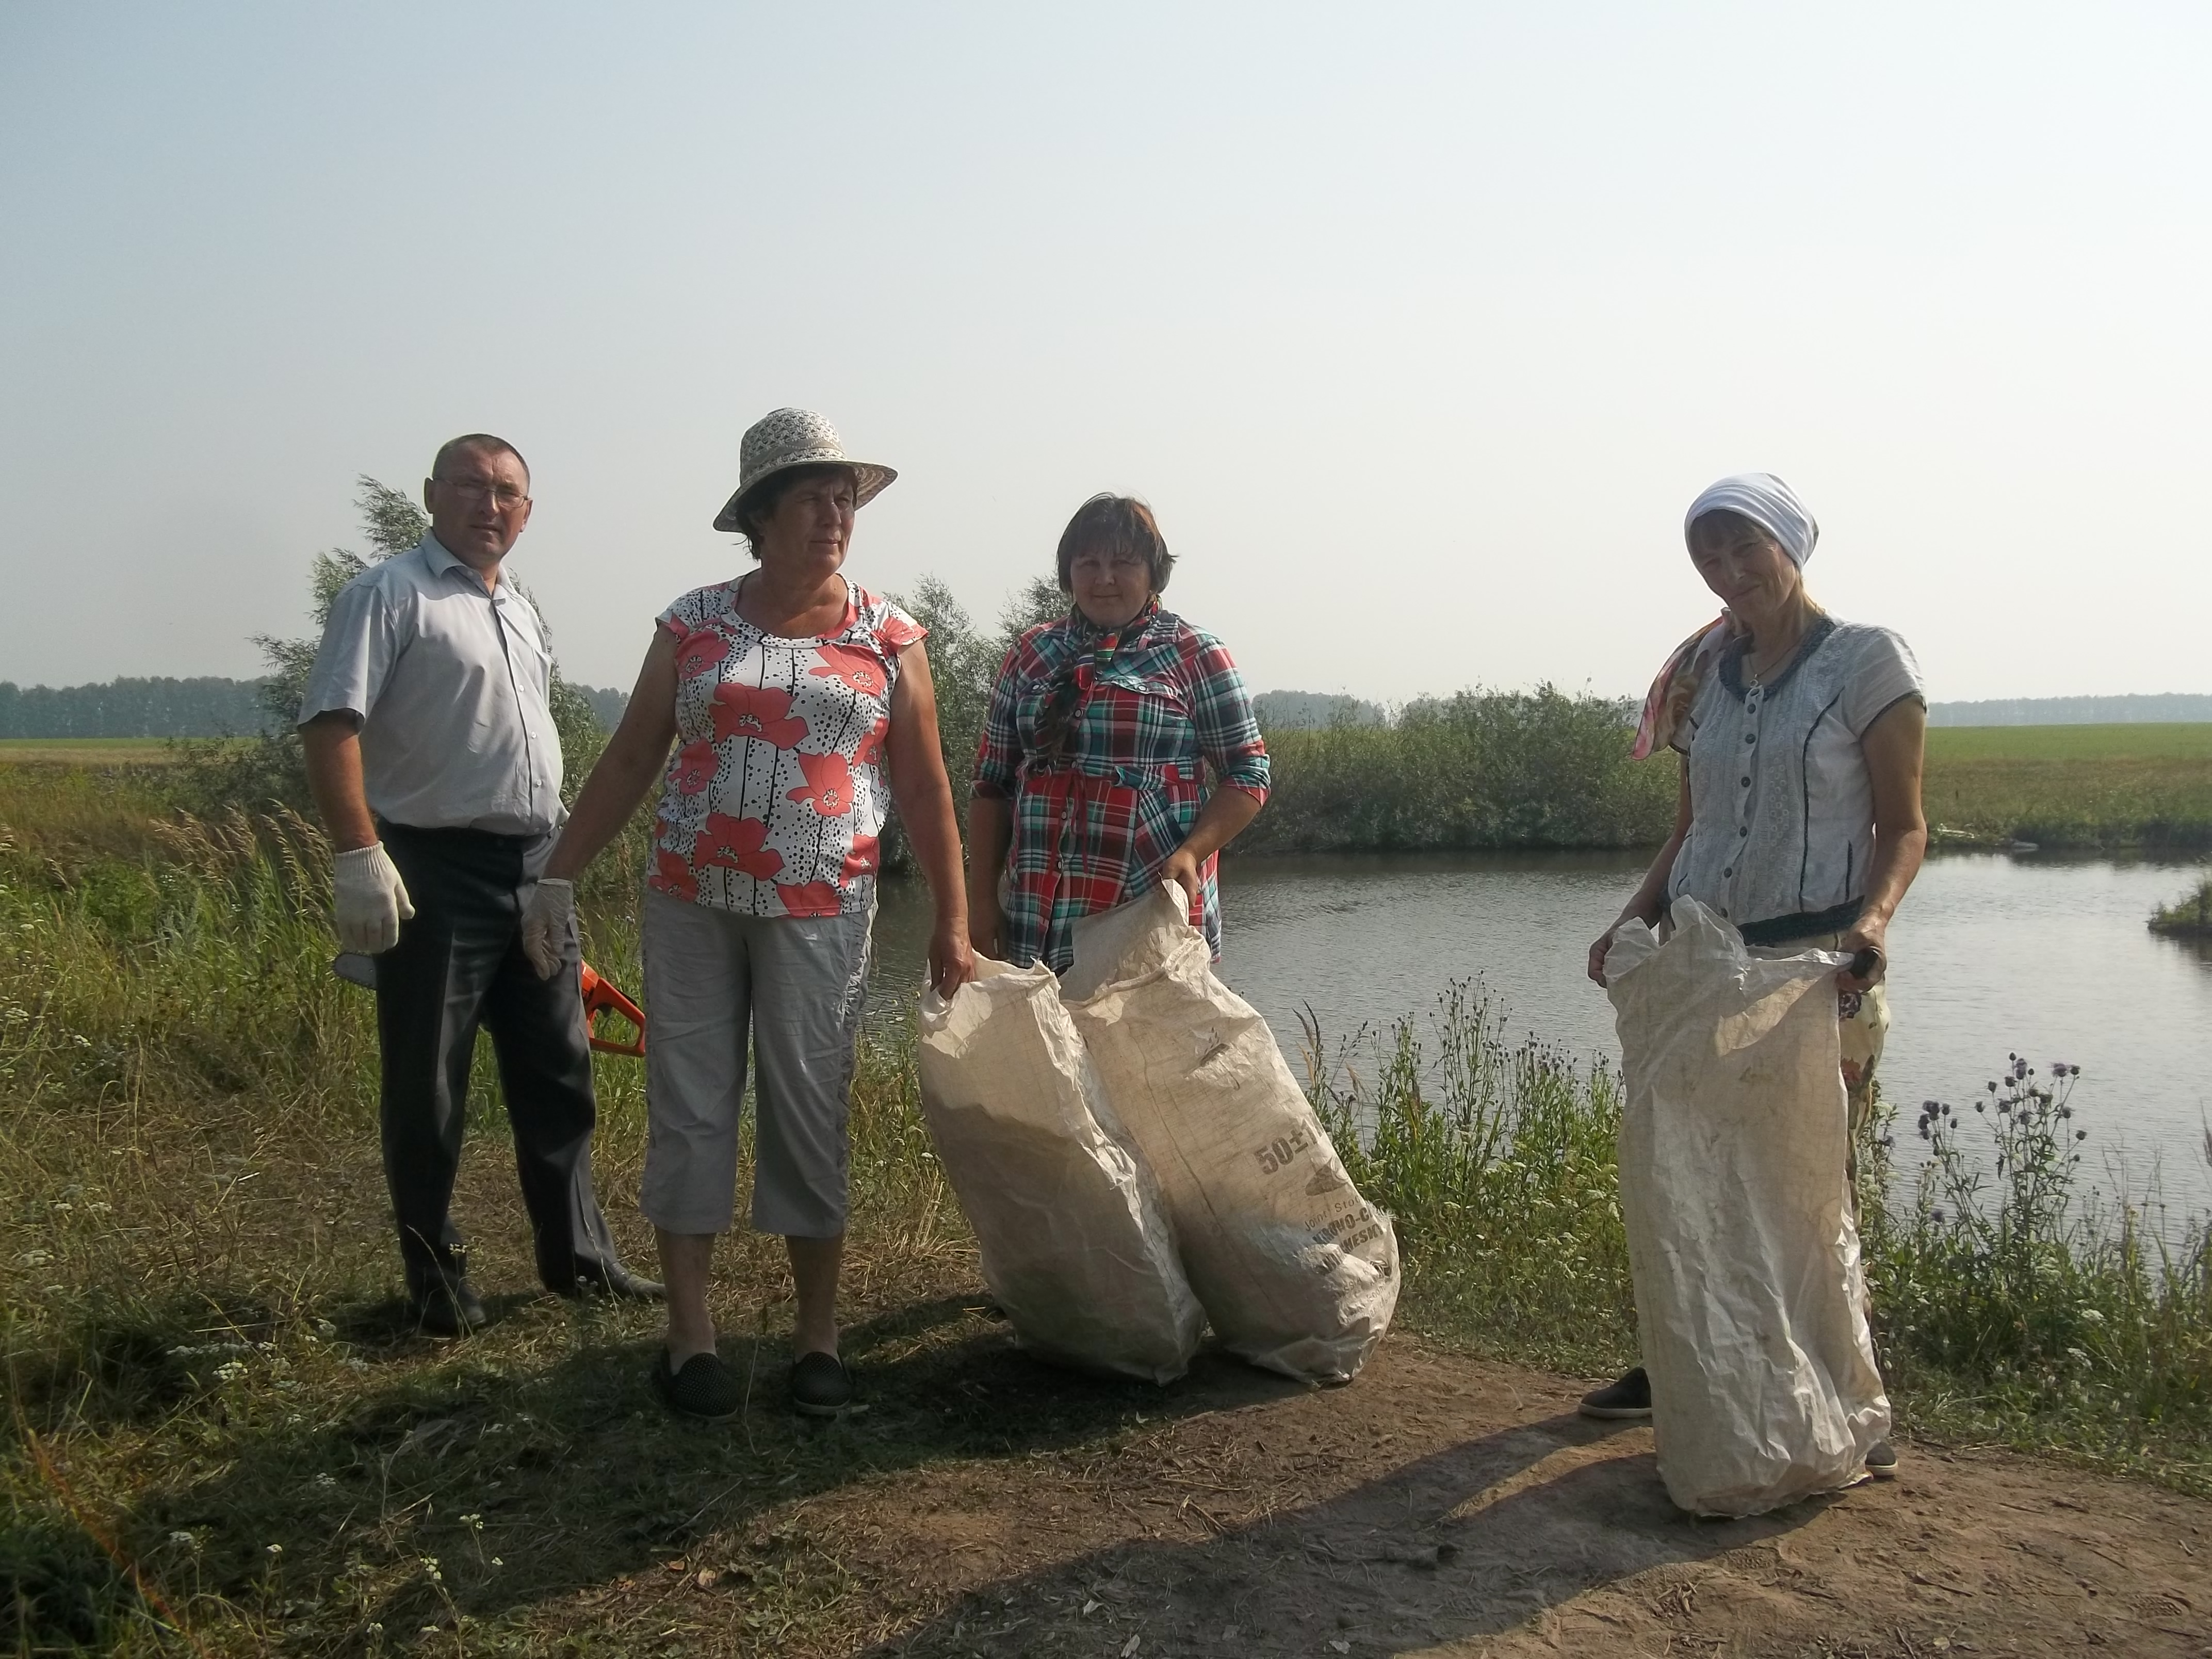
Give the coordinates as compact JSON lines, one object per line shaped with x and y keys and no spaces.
{"x":477,"y":1488}
{"x":1470,"y":1541}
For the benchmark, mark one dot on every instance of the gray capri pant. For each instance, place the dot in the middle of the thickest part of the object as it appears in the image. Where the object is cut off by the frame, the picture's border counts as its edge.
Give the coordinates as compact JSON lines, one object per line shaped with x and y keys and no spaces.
{"x":799,"y":982}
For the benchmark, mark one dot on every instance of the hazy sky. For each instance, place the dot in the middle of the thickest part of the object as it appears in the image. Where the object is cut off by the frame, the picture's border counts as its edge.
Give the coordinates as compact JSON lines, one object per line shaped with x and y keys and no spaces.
{"x":1419,"y":326}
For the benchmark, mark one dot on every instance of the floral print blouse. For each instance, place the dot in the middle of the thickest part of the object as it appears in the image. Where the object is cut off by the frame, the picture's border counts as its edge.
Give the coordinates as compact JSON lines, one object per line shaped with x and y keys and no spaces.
{"x":1093,"y":828}
{"x":773,"y":801}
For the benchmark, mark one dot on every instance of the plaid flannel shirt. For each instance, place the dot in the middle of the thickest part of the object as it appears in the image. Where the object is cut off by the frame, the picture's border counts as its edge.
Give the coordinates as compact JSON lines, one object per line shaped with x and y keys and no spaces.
{"x":1168,"y":719}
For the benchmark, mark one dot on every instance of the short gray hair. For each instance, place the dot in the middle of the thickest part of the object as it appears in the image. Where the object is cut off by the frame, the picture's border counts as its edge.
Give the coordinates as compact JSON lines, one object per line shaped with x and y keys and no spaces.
{"x":453,"y":446}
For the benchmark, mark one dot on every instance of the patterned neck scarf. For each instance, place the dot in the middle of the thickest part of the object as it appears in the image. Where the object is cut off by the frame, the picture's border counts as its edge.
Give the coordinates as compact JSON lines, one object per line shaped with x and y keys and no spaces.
{"x":1675,"y":689}
{"x":1071,"y":686}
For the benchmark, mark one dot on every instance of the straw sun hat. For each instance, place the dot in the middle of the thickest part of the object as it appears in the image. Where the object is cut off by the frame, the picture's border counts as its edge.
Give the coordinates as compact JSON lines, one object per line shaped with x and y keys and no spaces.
{"x":795,"y":437}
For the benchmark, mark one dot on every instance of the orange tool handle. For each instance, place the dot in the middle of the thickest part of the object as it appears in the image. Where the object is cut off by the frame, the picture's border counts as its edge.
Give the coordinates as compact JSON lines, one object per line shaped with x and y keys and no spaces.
{"x":601,"y":996}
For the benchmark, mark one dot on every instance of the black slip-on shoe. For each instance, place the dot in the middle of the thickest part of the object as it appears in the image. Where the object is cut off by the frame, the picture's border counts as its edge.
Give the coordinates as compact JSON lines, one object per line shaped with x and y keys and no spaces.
{"x":450,"y":1307}
{"x":1624,"y":1401}
{"x":701,"y":1387}
{"x":1881,"y":1461}
{"x":821,"y":1386}
{"x":613,"y":1281}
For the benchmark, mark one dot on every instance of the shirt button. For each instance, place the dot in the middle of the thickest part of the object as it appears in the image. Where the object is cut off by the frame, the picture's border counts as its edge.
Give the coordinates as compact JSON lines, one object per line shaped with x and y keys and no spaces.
{"x":1745,"y":830}
{"x":1749,"y":738}
{"x":1746,"y":783}
{"x":1729,"y":870}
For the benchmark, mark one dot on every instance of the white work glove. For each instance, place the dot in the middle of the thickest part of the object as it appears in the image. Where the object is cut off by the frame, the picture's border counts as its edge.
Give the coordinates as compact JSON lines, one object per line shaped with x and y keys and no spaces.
{"x":372,"y":901}
{"x":546,"y":924}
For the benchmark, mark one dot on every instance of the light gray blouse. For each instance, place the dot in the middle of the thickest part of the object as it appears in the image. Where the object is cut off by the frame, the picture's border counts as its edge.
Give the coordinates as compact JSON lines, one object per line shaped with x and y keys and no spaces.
{"x":1782,"y":805}
{"x":450,"y":683}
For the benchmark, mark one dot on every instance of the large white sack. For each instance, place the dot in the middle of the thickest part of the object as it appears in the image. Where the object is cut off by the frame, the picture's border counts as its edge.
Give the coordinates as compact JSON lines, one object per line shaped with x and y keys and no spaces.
{"x":1297,"y":1272}
{"x":1074,"y":1242}
{"x":1750,"y":1298}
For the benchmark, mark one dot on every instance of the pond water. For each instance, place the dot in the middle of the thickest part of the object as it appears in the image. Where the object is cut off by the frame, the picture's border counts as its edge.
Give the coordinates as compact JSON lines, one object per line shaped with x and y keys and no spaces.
{"x":1992,"y":953}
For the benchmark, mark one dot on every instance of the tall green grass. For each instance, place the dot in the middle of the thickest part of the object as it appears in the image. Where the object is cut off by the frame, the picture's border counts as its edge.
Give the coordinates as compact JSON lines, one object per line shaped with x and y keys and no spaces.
{"x":1480,"y":769}
{"x":200,"y":1327}
{"x":1495,"y":1161}
{"x":2189,"y":916}
{"x":2013,"y":1306}
{"x":2018,"y":1309}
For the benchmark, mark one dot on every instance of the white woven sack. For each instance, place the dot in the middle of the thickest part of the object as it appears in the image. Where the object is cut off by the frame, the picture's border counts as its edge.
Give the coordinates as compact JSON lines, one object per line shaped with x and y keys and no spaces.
{"x":1297,"y":1272}
{"x":1072,"y":1236}
{"x":1750,"y":1297}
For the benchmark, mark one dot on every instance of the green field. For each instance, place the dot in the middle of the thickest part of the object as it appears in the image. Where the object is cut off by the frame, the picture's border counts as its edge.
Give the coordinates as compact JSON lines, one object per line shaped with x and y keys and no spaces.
{"x":1546,"y":770}
{"x":2143,"y":741}
{"x":2071,"y":786}
{"x":87,"y":751}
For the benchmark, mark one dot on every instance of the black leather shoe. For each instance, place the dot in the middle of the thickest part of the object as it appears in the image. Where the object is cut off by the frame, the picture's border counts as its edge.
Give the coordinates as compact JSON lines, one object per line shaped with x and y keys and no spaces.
{"x":616,"y":1281}
{"x":449,"y":1308}
{"x":1625,"y":1401}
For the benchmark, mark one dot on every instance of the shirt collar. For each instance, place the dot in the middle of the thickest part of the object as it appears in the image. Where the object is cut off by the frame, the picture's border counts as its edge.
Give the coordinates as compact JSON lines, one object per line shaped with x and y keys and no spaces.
{"x":440,"y":559}
{"x":1816,"y":634}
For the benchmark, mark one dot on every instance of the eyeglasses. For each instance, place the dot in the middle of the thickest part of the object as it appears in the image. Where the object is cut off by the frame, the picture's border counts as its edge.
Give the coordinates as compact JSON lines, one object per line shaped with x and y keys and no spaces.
{"x":505,"y":497}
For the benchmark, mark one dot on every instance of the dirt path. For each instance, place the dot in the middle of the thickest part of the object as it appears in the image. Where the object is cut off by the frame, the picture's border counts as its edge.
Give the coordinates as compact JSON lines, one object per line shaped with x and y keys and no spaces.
{"x":1449,"y":1506}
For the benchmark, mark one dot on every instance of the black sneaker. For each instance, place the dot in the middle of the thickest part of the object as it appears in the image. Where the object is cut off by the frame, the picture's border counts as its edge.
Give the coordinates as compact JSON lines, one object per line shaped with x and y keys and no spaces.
{"x":703,"y":1387}
{"x":1629,"y":1397}
{"x":821,"y":1386}
{"x":449,"y":1308}
{"x":1881,"y":1461}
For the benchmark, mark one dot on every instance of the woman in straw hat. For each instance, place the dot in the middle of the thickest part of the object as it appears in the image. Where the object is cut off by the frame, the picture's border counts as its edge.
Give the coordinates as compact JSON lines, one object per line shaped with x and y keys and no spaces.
{"x":1091,"y":779}
{"x":1800,"y":819}
{"x":799,"y":708}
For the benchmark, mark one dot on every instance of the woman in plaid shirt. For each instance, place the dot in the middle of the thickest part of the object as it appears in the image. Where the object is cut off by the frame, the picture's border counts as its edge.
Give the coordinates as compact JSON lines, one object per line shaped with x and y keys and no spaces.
{"x":1120,"y":750}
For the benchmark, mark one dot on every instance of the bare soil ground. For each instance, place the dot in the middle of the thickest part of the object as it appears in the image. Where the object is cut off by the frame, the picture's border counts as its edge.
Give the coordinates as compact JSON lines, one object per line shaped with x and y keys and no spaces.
{"x":1443,"y":1505}
{"x":986,"y":1505}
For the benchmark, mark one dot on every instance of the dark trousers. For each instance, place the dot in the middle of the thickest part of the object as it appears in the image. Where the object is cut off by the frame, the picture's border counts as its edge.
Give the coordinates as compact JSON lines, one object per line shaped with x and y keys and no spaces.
{"x":458,"y":966}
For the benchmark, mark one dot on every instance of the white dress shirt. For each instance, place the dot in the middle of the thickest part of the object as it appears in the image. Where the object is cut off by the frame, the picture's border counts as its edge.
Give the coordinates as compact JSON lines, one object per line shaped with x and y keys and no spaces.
{"x":449,"y":684}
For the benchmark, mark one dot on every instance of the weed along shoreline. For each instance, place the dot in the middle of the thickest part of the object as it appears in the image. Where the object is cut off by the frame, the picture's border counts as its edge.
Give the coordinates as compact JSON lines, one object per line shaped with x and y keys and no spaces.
{"x":224,"y":1441}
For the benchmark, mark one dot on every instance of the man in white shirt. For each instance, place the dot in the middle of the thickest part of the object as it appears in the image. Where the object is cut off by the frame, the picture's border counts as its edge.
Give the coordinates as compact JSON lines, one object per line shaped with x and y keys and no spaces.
{"x":433,"y":756}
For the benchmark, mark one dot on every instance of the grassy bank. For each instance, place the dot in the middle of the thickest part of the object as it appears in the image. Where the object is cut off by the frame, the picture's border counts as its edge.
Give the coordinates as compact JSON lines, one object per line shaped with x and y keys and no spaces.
{"x":1544,"y":769}
{"x":2013,"y":1312}
{"x":2189,"y":916}
{"x":2073,"y":785}
{"x":1479,"y":770}
{"x":219,"y":1426}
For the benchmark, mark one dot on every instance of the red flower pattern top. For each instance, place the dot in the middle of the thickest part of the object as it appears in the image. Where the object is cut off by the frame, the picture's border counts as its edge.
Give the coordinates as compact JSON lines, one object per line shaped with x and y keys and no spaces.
{"x":775,"y":796}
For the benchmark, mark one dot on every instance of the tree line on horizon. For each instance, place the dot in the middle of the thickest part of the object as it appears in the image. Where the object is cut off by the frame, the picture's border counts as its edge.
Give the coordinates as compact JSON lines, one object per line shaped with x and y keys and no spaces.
{"x":212,"y":706}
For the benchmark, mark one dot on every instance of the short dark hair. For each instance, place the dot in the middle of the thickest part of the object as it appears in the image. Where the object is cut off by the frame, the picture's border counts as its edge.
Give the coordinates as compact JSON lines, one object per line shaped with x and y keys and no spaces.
{"x":1115,"y":524}
{"x":758,"y":505}
{"x":453,"y":447}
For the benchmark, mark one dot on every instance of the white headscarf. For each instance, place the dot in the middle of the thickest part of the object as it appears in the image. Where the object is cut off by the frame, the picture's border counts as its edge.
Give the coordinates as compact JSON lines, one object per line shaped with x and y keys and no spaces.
{"x":1767,"y":502}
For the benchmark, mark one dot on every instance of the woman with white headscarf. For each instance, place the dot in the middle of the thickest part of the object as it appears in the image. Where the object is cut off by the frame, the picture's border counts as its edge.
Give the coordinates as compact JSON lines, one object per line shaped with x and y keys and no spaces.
{"x":1799,"y":819}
